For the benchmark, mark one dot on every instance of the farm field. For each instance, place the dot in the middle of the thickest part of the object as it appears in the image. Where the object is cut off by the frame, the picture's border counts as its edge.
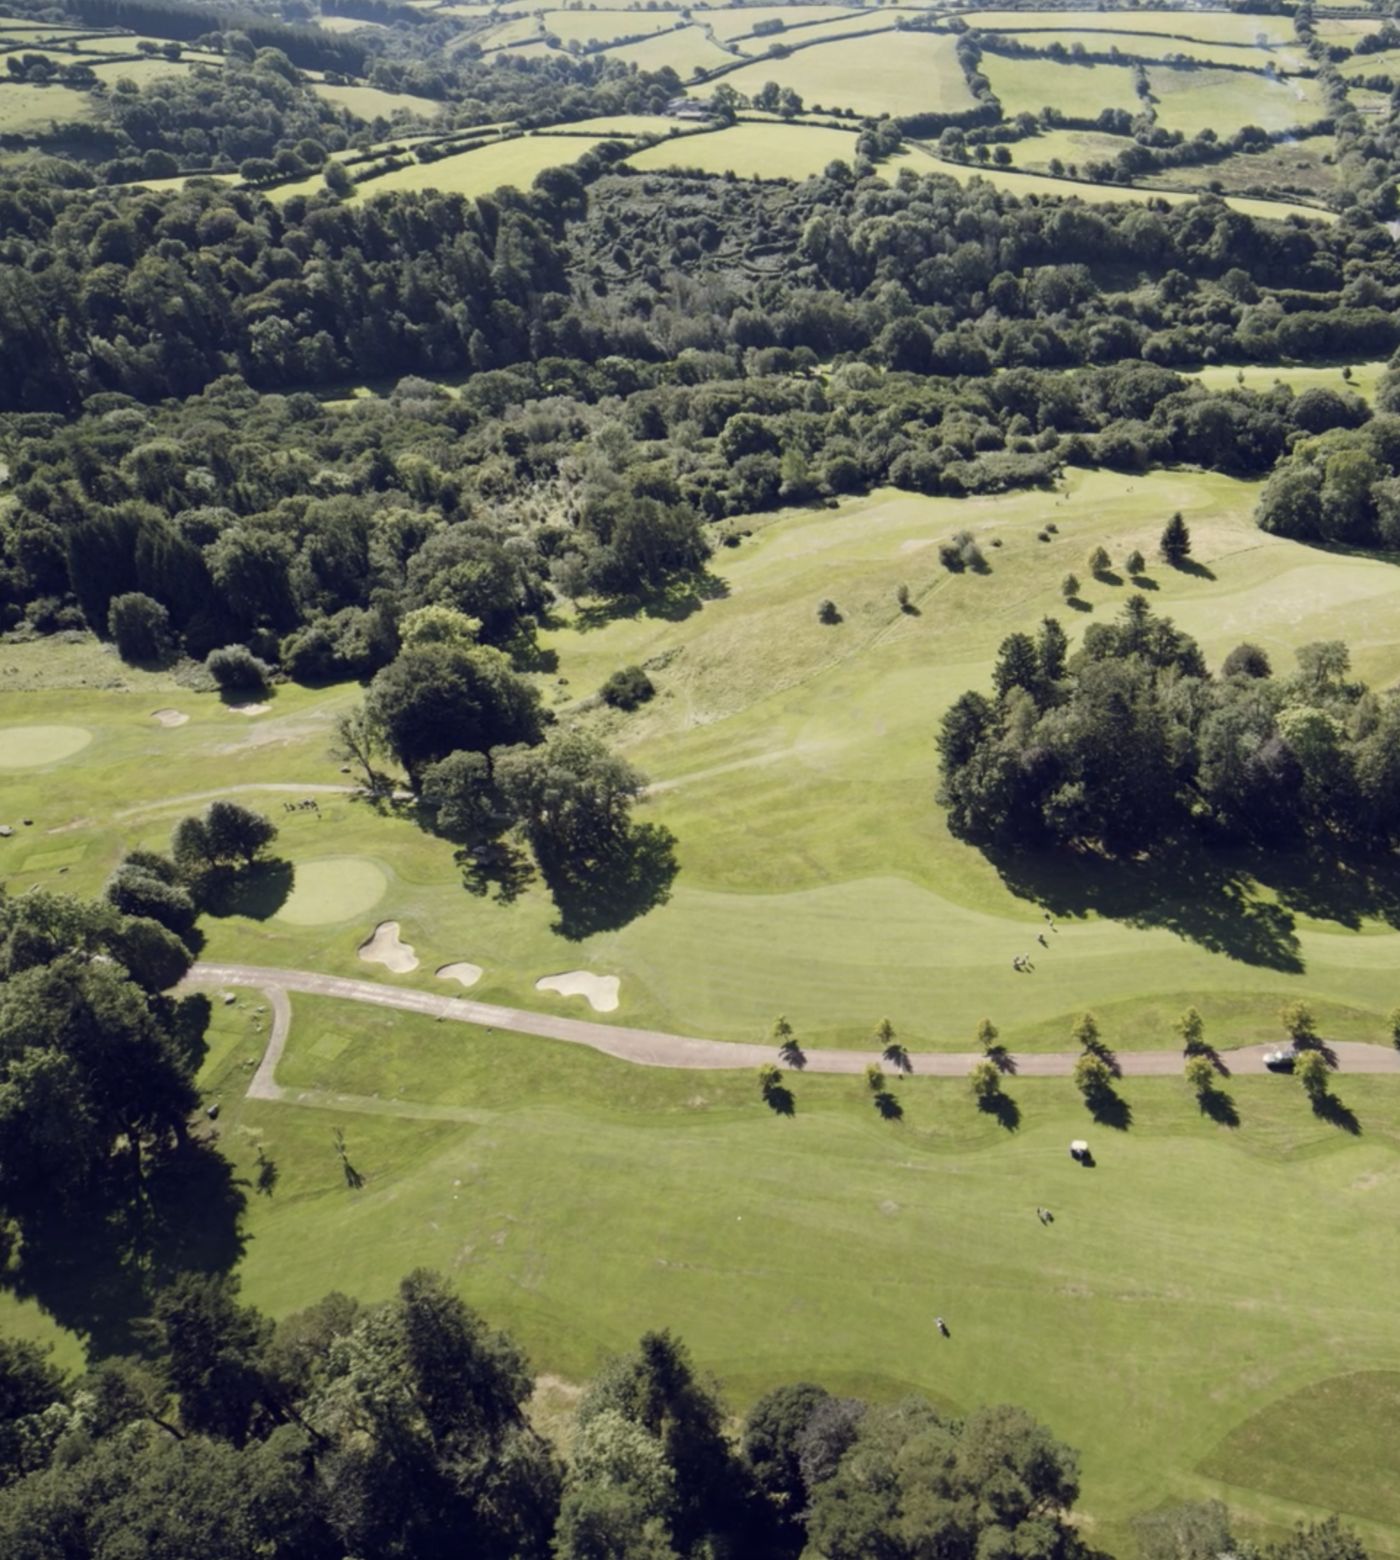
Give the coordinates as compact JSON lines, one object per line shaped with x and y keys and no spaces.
{"x":1303,"y":165}
{"x":798,"y":1248}
{"x":605,"y":26}
{"x":756,"y":759}
{"x":814,"y":32}
{"x":371,"y":103}
{"x":26,"y":108}
{"x":768,"y":151}
{"x":1226,"y":101}
{"x":740,"y":21}
{"x":1161,"y":46}
{"x":1208,"y":26}
{"x":1347,"y":30}
{"x":1075,"y":147}
{"x":686,"y":50}
{"x":921,"y":75}
{"x":515,"y":29}
{"x":1385,"y":62}
{"x":1362,"y":380}
{"x":479,"y":172}
{"x":1079,"y":91}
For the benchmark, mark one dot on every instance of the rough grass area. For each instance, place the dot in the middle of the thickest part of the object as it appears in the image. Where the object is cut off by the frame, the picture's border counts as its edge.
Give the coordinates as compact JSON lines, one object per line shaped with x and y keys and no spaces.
{"x":1304,"y":166}
{"x":1227,"y":100}
{"x":1162,"y":46}
{"x":27,"y":108}
{"x":1276,"y":1450}
{"x":917,"y":73}
{"x":1151,"y":1319}
{"x":1208,"y":26}
{"x":370,"y":103}
{"x":478,"y":172}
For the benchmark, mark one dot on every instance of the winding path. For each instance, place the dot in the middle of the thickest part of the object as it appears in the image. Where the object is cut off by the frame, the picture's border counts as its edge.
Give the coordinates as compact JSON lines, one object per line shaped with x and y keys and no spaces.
{"x":652,"y":1047}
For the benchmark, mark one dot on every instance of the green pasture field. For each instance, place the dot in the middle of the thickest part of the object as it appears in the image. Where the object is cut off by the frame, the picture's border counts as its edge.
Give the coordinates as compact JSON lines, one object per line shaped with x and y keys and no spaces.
{"x":479,"y":172}
{"x":141,"y":70}
{"x":1161,"y":46}
{"x":1347,"y":30}
{"x":346,"y":24}
{"x":686,"y":50}
{"x":1079,"y":91}
{"x":1154,"y":1325}
{"x":1304,"y":165}
{"x":844,"y":25}
{"x":1207,"y":26}
{"x":1385,"y":62}
{"x":515,"y":29}
{"x":1075,"y":147}
{"x":795,"y":764}
{"x":605,"y":26}
{"x":922,"y":161}
{"x":769,"y":151}
{"x":370,"y":103}
{"x":740,"y":21}
{"x":26,"y":107}
{"x":1227,"y":100}
{"x":1362,"y":382}
{"x":628,"y":125}
{"x":871,"y":75}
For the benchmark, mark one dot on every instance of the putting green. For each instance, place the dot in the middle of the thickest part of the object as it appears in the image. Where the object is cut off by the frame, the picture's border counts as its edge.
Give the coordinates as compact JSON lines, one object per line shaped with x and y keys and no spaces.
{"x":30,"y":747}
{"x":333,"y":889}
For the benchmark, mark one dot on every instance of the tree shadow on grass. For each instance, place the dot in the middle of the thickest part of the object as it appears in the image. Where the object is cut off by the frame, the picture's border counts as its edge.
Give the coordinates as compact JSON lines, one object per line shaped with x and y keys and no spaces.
{"x":1144,"y":582}
{"x":1111,"y":1110}
{"x":1327,"y":1107}
{"x":673,"y":602}
{"x":635,"y":876}
{"x":1197,"y":571}
{"x":1108,"y":577}
{"x":502,"y":866}
{"x":1218,"y":1105}
{"x":258,"y":891}
{"x":887,"y":1106}
{"x":1002,"y":1060}
{"x":1004,"y":1108}
{"x":96,"y":1271}
{"x":779,"y":1099}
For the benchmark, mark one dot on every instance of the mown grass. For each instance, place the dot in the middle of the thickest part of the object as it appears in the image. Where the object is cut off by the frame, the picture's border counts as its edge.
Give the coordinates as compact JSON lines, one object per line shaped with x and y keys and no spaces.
{"x":1079,"y":91}
{"x":1161,"y":46}
{"x":371,"y":103}
{"x":767,"y":151}
{"x":1208,"y":26}
{"x":584,"y":1200}
{"x":687,"y":50}
{"x":1227,"y":100}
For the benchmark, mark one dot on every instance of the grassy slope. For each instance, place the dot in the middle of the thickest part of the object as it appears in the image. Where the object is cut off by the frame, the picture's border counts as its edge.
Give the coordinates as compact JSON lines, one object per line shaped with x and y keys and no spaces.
{"x":796,"y":766}
{"x":587,"y":1200}
{"x":1227,"y":100}
{"x":1080,"y":91}
{"x":767,"y":151}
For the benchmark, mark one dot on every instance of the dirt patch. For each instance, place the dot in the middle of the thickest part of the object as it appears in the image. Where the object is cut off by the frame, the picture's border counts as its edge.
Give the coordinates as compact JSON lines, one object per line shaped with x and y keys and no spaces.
{"x":384,"y":947}
{"x":466,"y":974}
{"x":600,"y":991}
{"x":249,"y":709}
{"x":169,"y":717}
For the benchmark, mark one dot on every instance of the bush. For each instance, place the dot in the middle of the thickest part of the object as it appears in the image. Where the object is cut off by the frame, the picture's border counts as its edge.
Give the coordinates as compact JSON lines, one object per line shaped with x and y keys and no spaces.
{"x":828,"y":612}
{"x":627,"y":688}
{"x":237,"y":670}
{"x":139,"y":626}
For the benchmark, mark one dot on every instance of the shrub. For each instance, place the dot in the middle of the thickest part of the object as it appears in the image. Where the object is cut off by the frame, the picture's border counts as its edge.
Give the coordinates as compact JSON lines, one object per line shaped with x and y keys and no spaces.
{"x":627,"y":688}
{"x":237,"y":670}
{"x":139,"y":626}
{"x":828,"y":612}
{"x":1069,"y":587}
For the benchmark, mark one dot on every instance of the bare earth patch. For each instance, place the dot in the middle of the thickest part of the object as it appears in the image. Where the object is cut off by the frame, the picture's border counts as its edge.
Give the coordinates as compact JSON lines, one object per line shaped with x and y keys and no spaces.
{"x":600,"y":990}
{"x":384,"y":947}
{"x":250,"y":709}
{"x":466,"y":974}
{"x":169,"y":717}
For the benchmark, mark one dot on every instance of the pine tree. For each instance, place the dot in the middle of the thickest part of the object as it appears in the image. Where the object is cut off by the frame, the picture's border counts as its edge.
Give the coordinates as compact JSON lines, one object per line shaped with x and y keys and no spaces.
{"x":1175,"y":545}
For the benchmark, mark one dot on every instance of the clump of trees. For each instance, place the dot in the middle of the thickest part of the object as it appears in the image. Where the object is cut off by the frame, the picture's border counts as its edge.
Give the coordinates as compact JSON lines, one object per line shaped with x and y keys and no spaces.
{"x":1132,"y":740}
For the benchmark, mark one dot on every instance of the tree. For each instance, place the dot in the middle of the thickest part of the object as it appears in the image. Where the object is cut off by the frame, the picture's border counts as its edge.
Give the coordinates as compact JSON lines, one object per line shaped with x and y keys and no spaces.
{"x":1192,"y":1029}
{"x":627,"y":688}
{"x":461,"y":788}
{"x":1099,"y":561}
{"x":988,"y":1035}
{"x":790,"y":1051}
{"x":1135,"y":563}
{"x":1069,"y":587}
{"x":1085,"y":1032}
{"x":1393,"y":1023}
{"x":1298,"y":1023}
{"x":1327,"y":1540}
{"x":1093,"y":1078}
{"x":191,"y":847}
{"x":1200,"y":1074}
{"x":1246,"y":660}
{"x":139,"y":626}
{"x":985,"y":1080}
{"x":1017,"y":665}
{"x":1314,"y":1074}
{"x":355,"y":741}
{"x":891,"y":1051}
{"x":874,"y":1078}
{"x":1175,"y":545}
{"x":574,"y":795}
{"x":436,"y":699}
{"x":772,"y":1443}
{"x":213,"y":1356}
{"x":137,"y":891}
{"x":237,"y":833}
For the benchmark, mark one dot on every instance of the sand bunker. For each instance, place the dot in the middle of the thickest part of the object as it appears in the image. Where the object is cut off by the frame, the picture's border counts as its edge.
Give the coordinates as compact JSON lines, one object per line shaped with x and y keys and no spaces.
{"x":600,"y":990}
{"x":169,"y":717}
{"x":385,"y":948}
{"x":29,"y":747}
{"x":335,"y":888}
{"x":250,"y":709}
{"x":467,"y":974}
